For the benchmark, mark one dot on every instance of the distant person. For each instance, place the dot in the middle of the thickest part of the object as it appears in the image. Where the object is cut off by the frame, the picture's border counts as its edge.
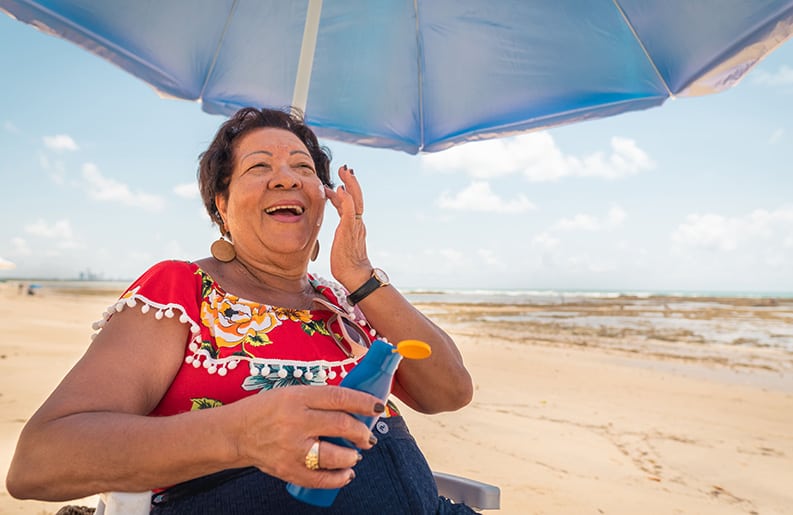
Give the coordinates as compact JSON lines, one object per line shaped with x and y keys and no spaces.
{"x":210,"y":382}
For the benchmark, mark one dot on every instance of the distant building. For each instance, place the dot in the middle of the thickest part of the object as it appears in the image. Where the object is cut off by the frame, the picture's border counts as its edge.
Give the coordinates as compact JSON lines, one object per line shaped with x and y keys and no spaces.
{"x":88,"y":275}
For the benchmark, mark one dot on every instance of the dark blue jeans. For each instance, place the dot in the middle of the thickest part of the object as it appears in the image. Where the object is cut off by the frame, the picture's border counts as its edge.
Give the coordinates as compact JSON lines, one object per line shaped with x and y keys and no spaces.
{"x":392,"y":478}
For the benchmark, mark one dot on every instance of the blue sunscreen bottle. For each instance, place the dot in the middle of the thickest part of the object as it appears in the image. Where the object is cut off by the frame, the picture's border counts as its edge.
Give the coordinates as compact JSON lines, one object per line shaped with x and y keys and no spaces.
{"x":373,"y":375}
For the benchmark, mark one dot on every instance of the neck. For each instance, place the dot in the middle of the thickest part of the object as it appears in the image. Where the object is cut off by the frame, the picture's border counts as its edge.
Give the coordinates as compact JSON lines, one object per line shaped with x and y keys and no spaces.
{"x":276,"y":285}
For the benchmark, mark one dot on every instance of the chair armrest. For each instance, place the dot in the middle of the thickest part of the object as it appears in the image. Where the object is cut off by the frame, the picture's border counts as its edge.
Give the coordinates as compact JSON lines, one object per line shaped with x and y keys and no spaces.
{"x":477,"y":495}
{"x":124,"y":503}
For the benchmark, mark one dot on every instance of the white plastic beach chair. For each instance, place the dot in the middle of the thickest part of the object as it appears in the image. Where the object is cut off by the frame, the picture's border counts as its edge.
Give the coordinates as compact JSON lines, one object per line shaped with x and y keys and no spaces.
{"x":477,"y":495}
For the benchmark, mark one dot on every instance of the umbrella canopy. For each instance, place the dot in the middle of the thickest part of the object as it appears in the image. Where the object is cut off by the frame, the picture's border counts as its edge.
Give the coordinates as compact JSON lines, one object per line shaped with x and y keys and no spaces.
{"x":424,"y":75}
{"x":6,"y":264}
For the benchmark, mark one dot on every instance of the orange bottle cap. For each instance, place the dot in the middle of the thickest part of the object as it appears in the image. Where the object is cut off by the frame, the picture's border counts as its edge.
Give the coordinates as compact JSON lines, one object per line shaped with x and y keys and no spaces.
{"x":413,"y":349}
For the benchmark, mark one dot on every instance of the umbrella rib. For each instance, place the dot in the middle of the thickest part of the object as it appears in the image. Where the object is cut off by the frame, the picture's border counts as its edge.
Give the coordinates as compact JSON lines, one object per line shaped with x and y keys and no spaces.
{"x":420,"y":77}
{"x":217,"y":49}
{"x":644,"y":49}
{"x":305,"y":62}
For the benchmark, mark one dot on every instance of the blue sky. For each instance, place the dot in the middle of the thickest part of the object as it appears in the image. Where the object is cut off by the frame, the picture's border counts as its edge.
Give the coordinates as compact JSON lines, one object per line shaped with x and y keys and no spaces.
{"x":99,"y":175}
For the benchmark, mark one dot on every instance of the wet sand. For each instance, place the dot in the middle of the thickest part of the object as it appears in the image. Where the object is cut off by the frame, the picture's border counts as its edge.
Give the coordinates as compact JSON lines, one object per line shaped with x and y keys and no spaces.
{"x":617,"y":406}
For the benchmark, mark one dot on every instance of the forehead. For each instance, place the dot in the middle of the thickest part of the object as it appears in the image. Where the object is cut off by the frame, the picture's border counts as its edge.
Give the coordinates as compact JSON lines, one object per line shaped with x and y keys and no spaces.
{"x":270,"y":139}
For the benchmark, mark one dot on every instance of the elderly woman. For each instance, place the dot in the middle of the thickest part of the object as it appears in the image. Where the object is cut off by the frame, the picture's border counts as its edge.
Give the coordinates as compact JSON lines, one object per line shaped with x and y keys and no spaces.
{"x":210,"y":382}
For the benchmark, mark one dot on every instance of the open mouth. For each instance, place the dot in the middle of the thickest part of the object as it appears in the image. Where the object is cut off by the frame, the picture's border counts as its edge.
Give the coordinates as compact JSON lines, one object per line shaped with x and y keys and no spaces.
{"x":293,"y":210}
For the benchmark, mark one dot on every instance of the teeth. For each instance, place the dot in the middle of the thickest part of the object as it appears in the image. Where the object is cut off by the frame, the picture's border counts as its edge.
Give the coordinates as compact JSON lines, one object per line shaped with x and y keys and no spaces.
{"x":297,"y":209}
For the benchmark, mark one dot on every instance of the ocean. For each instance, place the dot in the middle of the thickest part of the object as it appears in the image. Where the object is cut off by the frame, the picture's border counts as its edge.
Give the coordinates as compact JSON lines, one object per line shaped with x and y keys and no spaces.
{"x":747,"y":319}
{"x":534,"y":297}
{"x":465,"y":296}
{"x":759,"y":320}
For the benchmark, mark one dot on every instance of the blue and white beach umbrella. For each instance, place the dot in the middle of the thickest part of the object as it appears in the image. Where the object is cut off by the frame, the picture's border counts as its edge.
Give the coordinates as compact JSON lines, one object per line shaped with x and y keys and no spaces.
{"x":422,"y":75}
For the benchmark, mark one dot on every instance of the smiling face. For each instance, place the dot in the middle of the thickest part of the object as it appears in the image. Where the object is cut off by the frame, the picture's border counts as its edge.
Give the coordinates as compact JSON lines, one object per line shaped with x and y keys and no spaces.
{"x":275,"y":201}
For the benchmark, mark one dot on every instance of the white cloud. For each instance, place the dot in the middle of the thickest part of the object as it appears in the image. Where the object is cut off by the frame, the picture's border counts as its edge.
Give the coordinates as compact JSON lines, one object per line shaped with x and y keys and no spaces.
{"x":783,"y":76}
{"x":776,"y":136}
{"x":615,"y":216}
{"x":21,"y":247}
{"x":579,"y":222}
{"x":584,"y":263}
{"x":10,"y":127}
{"x":62,"y":229}
{"x":173,"y":249}
{"x":489,"y":257}
{"x":715,"y":232}
{"x":539,"y":159}
{"x":69,"y":244}
{"x":187,"y":190}
{"x":709,"y":231}
{"x":57,"y":169}
{"x":60,"y":142}
{"x":479,"y":197}
{"x":104,"y":189}
{"x":454,"y":256}
{"x":546,"y":241}
{"x":586,"y":222}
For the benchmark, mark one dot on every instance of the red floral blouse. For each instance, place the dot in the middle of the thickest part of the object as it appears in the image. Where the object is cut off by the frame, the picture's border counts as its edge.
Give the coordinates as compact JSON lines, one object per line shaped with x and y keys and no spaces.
{"x":236,"y":347}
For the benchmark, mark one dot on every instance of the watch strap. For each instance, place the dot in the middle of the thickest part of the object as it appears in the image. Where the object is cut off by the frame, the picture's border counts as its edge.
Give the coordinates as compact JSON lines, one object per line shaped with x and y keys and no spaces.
{"x":364,"y":291}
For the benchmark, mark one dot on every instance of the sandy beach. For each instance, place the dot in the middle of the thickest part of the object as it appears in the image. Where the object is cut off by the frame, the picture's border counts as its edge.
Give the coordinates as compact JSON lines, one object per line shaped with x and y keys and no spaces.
{"x":612,"y":406}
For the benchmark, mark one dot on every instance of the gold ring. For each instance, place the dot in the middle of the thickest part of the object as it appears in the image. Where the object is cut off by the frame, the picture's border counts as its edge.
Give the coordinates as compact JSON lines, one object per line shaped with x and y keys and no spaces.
{"x":358,"y":216}
{"x":312,"y":458}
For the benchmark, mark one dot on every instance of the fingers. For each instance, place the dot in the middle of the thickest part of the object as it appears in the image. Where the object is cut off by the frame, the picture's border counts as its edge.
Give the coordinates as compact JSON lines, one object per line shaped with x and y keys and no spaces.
{"x":330,"y":413}
{"x":335,"y":424}
{"x":347,"y":198}
{"x":279,"y":428}
{"x":331,"y":470}
{"x":334,"y":457}
{"x":324,"y":464}
{"x":353,"y":187}
{"x":334,"y":466}
{"x":343,"y":399}
{"x":324,"y":478}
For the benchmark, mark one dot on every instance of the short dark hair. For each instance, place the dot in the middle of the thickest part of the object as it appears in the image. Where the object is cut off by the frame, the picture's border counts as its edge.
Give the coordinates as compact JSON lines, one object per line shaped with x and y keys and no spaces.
{"x":216,"y":162}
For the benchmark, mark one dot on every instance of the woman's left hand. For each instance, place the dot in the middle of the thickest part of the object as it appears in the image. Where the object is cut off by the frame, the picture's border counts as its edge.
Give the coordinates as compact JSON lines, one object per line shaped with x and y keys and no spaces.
{"x":349,"y":262}
{"x":436,"y":384}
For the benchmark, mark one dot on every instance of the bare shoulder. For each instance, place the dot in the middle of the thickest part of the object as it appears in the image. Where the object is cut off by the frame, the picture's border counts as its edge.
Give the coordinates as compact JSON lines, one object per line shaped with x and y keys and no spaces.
{"x":128,"y":367}
{"x":207,"y":264}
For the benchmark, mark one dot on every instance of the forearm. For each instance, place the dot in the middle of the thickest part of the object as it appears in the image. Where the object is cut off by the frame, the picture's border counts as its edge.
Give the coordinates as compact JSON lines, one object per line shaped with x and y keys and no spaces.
{"x":86,"y":453}
{"x":438,"y":383}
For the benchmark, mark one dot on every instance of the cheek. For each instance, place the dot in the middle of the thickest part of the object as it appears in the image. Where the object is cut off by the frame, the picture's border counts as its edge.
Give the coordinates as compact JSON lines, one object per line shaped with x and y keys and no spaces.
{"x":242,"y":202}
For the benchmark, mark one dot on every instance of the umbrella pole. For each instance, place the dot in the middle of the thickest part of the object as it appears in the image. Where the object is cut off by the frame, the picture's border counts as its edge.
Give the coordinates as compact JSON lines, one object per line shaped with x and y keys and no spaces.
{"x":307,"y":47}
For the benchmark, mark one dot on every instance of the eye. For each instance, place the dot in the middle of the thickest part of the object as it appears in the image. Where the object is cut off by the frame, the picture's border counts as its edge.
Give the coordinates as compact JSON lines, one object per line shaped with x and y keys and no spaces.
{"x":306,"y":168}
{"x":259,"y":167}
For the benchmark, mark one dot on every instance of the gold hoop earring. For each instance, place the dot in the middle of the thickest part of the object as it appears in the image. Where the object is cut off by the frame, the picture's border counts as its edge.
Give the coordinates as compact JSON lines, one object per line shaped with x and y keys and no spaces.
{"x":315,"y":251}
{"x":223,"y":250}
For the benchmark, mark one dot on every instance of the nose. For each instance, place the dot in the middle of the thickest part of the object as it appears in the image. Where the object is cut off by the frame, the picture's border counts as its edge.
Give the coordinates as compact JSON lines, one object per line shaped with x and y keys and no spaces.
{"x":284,"y":177}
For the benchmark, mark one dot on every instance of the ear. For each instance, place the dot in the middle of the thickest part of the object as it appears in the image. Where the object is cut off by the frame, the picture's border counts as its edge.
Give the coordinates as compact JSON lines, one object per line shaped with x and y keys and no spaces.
{"x":221,"y":203}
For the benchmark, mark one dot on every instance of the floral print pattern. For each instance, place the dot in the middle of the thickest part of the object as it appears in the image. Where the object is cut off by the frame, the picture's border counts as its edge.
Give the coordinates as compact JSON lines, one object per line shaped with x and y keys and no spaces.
{"x":236,"y":323}
{"x":236,"y":347}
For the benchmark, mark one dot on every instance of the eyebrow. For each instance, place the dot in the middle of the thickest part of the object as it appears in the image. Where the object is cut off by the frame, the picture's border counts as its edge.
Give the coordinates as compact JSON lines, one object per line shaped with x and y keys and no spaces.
{"x":291,"y":153}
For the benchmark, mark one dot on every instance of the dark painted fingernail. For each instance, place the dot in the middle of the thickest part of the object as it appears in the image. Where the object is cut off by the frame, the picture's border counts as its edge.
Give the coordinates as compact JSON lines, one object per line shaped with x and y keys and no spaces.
{"x":372,"y":440}
{"x":379,"y":407}
{"x":352,"y":172}
{"x":345,"y":167}
{"x":359,"y":457}
{"x":352,"y":476}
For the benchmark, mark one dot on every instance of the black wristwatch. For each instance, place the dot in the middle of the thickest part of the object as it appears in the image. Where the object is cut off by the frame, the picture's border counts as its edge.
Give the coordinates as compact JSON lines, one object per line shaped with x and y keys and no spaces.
{"x":377,"y":280}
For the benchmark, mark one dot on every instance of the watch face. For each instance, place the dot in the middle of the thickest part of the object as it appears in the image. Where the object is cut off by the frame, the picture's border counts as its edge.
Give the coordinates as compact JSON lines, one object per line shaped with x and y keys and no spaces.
{"x":380,"y":275}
